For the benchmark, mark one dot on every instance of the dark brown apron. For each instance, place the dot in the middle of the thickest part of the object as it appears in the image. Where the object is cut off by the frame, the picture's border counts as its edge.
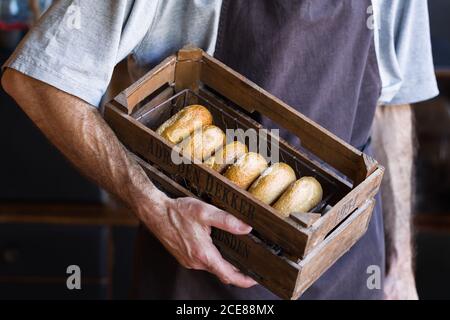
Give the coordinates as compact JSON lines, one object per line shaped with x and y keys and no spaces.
{"x":319,"y":57}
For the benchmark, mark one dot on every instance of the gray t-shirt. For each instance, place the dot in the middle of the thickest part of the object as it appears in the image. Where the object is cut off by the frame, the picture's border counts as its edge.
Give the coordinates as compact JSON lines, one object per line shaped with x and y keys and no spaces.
{"x":77,"y":43}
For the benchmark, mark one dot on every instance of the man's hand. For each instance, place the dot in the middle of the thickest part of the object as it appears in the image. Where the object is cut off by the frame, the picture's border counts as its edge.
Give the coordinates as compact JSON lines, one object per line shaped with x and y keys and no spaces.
{"x":184,"y":228}
{"x":80,"y":133}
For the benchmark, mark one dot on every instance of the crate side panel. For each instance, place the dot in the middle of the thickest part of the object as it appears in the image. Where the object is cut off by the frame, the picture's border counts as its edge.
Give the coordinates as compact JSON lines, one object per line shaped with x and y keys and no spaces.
{"x":162,"y":74}
{"x":333,"y":247}
{"x":245,"y":252}
{"x":274,"y":272}
{"x":355,"y":199}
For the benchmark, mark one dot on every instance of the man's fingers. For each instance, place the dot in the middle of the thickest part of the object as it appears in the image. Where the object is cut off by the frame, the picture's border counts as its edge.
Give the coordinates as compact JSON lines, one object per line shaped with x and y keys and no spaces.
{"x":227,"y":222}
{"x":215,"y":217}
{"x":206,"y":256}
{"x":227,"y":273}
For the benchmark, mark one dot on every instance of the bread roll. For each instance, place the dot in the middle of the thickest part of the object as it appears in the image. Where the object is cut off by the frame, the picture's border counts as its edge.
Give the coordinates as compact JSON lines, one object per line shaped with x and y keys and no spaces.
{"x":246,"y":169}
{"x":202,"y":143}
{"x":301,"y":196}
{"x":226,"y":156}
{"x":272,"y":182}
{"x":184,"y":122}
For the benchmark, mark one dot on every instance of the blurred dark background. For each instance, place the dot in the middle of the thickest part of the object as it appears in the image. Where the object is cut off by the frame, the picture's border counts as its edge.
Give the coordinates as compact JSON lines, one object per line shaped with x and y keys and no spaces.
{"x":51,"y":217}
{"x":432,"y":219}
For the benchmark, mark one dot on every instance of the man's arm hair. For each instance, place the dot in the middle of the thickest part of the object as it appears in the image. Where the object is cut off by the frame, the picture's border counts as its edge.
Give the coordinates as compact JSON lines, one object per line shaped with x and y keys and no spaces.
{"x":77,"y":129}
{"x":394,"y":148}
{"x":80,"y":133}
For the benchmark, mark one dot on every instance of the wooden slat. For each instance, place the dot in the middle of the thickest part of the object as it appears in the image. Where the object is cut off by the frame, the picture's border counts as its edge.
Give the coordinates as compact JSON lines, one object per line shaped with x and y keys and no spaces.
{"x":333,"y":247}
{"x":190,"y":52}
{"x":170,"y":186}
{"x":305,"y":219}
{"x":187,"y":75}
{"x":164,"y":73}
{"x":318,"y":140}
{"x":187,"y":71}
{"x":355,"y":199}
{"x":147,"y":144}
{"x":253,"y":257}
{"x":163,"y":96}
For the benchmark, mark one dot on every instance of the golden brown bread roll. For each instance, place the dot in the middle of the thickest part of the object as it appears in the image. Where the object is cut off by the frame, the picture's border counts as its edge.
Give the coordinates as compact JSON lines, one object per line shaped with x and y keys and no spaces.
{"x":202,"y":143}
{"x":226,"y":156}
{"x":246,"y":169}
{"x":272,"y":182}
{"x":184,"y":122}
{"x":303,"y":195}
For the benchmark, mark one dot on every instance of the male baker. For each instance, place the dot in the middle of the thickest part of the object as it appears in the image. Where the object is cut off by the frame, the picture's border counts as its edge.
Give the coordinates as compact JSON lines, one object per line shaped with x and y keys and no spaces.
{"x":334,"y":61}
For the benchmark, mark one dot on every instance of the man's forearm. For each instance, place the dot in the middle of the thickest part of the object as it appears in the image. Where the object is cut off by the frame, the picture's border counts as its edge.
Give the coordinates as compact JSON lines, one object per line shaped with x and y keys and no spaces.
{"x":183,"y":226}
{"x":80,"y":133}
{"x":394,"y":147}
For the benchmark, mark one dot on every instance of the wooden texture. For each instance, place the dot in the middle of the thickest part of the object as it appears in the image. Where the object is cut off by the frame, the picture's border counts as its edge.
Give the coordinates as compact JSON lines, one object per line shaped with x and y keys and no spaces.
{"x":169,"y":185}
{"x":187,"y":71}
{"x":333,"y":247}
{"x":256,"y":259}
{"x":366,"y":190}
{"x":285,"y":278}
{"x":162,"y":74}
{"x":319,"y":141}
{"x":306,"y":219}
{"x":158,"y":99}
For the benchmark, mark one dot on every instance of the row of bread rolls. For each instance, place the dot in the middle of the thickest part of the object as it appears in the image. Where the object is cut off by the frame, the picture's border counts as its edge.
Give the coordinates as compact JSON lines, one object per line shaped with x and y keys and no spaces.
{"x":275,"y":185}
{"x":192,"y":129}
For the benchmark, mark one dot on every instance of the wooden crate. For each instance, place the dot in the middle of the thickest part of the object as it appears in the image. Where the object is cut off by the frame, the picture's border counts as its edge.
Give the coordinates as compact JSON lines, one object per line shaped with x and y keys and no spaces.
{"x":284,"y":254}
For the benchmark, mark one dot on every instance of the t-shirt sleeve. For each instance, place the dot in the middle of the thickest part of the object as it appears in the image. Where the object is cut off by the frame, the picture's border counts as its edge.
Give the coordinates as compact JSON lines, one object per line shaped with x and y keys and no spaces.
{"x":76,"y":44}
{"x":404,"y":50}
